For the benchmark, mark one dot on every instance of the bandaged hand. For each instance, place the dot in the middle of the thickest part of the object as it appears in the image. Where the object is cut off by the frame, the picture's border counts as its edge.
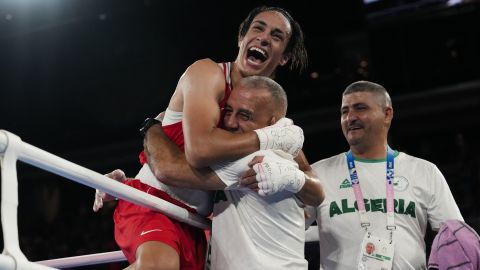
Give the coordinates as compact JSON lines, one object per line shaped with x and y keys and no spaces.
{"x":278,"y":175}
{"x":101,"y":196}
{"x":283,"y":135}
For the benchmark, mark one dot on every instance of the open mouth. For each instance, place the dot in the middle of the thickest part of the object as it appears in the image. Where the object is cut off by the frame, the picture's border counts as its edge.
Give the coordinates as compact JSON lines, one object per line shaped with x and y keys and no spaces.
{"x":256,"y":55}
{"x":354,"y":127}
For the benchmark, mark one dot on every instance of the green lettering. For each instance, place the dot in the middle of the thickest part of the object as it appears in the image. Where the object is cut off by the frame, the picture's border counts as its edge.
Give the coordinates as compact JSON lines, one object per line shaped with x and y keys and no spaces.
{"x":367,"y":204}
{"x":373,"y":205}
{"x":377,"y":205}
{"x":345,"y":207}
{"x":401,"y":206}
{"x":411,"y":210}
{"x":334,"y":209}
{"x":365,"y":201}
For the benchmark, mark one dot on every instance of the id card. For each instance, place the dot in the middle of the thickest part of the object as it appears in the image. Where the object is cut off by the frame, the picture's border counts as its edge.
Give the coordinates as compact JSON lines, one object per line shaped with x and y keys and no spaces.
{"x":375,"y":253}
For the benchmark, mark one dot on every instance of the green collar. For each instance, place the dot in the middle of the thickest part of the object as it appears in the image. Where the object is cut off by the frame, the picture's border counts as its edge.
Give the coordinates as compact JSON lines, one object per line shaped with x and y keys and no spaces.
{"x":395,"y":154}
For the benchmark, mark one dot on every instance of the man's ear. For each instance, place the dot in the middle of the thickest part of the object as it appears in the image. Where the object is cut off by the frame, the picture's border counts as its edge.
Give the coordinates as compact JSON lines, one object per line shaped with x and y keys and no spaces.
{"x":273,"y":120}
{"x":388,"y":115}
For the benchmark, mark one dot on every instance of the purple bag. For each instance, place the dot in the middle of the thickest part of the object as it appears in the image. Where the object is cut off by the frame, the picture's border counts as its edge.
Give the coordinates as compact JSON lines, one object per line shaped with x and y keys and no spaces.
{"x":456,"y":247}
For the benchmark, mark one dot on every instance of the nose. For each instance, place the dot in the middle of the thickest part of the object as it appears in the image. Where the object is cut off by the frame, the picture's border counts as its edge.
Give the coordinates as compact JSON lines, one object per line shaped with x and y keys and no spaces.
{"x":230,"y":123}
{"x":351,"y":116}
{"x":264,"y":38}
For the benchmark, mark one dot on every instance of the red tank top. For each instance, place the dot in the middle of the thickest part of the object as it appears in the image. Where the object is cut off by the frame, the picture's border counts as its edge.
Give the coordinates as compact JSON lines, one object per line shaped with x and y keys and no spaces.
{"x":175,"y":131}
{"x":228,"y":89}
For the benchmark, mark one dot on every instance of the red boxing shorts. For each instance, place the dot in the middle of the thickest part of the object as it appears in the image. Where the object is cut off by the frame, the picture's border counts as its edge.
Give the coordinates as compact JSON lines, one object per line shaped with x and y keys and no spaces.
{"x":135,"y":225}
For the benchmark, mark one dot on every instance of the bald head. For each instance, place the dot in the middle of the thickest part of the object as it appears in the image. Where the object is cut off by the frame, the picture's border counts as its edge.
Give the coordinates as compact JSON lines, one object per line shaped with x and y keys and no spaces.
{"x":278,"y":97}
{"x":254,"y":103}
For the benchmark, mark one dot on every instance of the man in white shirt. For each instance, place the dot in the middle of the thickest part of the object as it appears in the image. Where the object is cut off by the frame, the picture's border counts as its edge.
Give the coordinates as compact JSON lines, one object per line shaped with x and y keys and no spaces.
{"x":377,"y":175}
{"x":254,"y":230}
{"x":266,"y":224}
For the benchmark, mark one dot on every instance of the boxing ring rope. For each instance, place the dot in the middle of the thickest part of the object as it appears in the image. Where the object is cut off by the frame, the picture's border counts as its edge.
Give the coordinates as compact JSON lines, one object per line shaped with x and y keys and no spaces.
{"x":12,"y":149}
{"x":84,"y":260}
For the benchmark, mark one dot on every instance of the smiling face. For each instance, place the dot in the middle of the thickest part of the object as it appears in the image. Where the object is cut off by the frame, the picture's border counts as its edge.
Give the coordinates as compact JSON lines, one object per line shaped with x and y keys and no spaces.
{"x":247,"y":110}
{"x":370,"y":248}
{"x":365,"y":120}
{"x":262,"y":48}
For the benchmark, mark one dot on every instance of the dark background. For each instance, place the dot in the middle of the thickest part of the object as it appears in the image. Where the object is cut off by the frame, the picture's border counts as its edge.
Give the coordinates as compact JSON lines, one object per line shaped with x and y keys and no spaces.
{"x":77,"y":78}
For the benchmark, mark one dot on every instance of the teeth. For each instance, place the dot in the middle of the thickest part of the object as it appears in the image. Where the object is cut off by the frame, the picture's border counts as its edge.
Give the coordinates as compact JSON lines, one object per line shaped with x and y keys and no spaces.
{"x":259,"y":50}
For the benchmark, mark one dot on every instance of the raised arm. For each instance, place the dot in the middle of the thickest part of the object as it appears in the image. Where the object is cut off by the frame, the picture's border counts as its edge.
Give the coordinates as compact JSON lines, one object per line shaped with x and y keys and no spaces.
{"x":168,"y":163}
{"x":203,"y":86}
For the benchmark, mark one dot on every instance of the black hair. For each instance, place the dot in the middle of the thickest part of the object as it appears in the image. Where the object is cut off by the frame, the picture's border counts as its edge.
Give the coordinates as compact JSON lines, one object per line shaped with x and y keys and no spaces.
{"x":296,"y":45}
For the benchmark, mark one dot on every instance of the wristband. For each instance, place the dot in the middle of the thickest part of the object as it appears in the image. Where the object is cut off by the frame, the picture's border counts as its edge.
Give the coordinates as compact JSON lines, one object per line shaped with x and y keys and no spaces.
{"x":148,"y":123}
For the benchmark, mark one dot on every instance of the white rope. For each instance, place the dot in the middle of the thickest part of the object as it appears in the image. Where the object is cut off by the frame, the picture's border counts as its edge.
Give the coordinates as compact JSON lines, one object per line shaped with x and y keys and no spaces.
{"x":44,"y":160}
{"x":10,"y":200}
{"x":311,"y":235}
{"x":13,"y":149}
{"x":49,"y":162}
{"x":8,"y":262}
{"x":84,"y":260}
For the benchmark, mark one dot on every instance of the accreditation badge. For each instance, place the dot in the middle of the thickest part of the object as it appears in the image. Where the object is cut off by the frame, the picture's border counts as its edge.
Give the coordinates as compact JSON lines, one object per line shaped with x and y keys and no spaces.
{"x":375,"y":253}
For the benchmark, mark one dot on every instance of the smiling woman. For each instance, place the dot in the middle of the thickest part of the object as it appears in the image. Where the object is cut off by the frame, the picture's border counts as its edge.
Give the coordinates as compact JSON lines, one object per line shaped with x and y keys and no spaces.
{"x":267,"y":39}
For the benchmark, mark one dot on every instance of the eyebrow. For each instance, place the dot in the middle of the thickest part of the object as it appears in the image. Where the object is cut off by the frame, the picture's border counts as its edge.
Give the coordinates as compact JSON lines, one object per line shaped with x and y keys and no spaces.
{"x":260,"y":22}
{"x":250,"y":113}
{"x":275,"y":30}
{"x":245,"y":111}
{"x":354,"y":105}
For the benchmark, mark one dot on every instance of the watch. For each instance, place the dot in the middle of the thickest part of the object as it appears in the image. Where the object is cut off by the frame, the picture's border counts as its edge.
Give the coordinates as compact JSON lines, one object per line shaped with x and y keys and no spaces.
{"x":148,"y":123}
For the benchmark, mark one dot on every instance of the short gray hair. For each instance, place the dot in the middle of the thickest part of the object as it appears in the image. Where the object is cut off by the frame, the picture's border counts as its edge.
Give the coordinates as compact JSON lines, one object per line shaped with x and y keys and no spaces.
{"x":374,"y":88}
{"x":279,"y":97}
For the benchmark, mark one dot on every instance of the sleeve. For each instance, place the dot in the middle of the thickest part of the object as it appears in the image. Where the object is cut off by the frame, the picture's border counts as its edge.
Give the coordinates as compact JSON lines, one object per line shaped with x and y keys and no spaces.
{"x":442,"y":205}
{"x":311,"y":215}
{"x":230,"y":172}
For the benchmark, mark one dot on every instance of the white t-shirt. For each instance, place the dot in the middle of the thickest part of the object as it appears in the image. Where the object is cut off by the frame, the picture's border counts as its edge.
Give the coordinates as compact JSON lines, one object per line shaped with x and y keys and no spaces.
{"x":421,"y":196}
{"x":255,"y":232}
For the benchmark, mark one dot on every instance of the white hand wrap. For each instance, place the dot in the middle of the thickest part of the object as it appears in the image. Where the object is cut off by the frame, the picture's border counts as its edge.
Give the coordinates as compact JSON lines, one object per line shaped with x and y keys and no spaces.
{"x":101,"y":196}
{"x":275,"y":174}
{"x":283,"y":135}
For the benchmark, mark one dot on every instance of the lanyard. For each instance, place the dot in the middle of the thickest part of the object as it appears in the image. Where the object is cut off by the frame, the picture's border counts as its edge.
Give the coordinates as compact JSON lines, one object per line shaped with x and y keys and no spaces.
{"x":364,"y":222}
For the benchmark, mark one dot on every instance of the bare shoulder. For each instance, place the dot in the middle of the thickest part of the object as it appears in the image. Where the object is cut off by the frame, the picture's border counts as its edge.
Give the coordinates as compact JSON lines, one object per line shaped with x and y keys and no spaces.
{"x":205,"y":66}
{"x":204,"y":74}
{"x":204,"y":63}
